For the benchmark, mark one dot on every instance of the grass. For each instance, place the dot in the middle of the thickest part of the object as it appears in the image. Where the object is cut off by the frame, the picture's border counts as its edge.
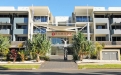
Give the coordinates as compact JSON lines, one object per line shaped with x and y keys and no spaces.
{"x":20,"y":66}
{"x":103,"y":66}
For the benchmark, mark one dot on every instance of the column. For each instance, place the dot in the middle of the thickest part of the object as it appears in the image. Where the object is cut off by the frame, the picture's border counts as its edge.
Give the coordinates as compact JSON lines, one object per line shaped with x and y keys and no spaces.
{"x":88,"y":32}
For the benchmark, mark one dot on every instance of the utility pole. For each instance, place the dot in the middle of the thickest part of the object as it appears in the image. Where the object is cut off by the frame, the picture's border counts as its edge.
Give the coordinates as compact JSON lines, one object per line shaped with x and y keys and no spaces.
{"x":88,"y":26}
{"x":31,"y":24}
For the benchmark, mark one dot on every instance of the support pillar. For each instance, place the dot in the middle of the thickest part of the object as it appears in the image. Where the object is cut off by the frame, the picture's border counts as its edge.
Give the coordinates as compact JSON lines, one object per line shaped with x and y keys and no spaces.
{"x":65,"y":53}
{"x":88,"y":31}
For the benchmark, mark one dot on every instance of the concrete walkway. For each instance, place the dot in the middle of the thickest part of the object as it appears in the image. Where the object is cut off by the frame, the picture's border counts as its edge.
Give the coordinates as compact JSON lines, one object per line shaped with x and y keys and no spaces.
{"x":57,"y":62}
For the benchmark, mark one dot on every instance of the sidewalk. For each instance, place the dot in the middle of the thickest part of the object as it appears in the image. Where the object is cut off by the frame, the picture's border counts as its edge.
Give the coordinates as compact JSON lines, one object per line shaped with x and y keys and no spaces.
{"x":25,"y":62}
{"x":94,"y":61}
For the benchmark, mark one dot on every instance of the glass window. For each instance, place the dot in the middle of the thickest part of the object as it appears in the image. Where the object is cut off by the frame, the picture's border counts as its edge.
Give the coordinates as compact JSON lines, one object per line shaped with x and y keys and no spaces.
{"x":43,"y":18}
{"x":103,"y":27}
{"x":114,"y":38}
{"x":113,"y":27}
{"x":100,"y":38}
{"x":24,"y":27}
{"x":78,"y":19}
{"x":103,"y":39}
{"x":118,"y":38}
{"x":84,"y":18}
{"x":98,"y":27}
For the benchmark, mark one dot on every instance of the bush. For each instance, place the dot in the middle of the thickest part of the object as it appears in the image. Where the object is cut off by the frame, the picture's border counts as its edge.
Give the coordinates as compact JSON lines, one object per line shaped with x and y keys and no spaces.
{"x":120,"y":57}
{"x":75,"y":57}
{"x":46,"y":58}
{"x":93,"y":57}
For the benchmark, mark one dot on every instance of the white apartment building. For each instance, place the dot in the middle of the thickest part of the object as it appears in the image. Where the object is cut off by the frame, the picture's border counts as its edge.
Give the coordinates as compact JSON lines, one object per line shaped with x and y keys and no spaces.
{"x":99,"y":24}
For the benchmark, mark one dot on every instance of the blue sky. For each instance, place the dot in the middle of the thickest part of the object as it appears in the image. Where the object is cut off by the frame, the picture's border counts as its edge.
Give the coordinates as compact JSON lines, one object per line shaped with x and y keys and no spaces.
{"x":61,"y":7}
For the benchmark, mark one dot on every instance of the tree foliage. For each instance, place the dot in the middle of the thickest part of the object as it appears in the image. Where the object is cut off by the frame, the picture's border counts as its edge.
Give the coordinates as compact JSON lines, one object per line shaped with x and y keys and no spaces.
{"x":81,"y":46}
{"x":4,"y":45}
{"x":39,"y":45}
{"x":98,"y":48}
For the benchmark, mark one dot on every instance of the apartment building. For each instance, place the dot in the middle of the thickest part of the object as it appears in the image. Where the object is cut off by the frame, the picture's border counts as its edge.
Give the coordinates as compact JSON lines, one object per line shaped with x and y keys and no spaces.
{"x":97,"y":24}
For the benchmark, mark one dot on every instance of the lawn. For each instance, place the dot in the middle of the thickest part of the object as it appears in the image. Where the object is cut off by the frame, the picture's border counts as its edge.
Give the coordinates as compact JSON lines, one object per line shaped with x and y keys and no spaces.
{"x":20,"y":66}
{"x":103,"y":66}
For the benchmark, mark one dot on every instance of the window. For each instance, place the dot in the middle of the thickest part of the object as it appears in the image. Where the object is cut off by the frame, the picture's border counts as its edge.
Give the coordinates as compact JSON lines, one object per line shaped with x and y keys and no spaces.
{"x":58,"y":40}
{"x":43,"y":18}
{"x":87,"y":38}
{"x":100,"y":38}
{"x":116,"y":27}
{"x":82,"y":18}
{"x":24,"y":27}
{"x":99,"y":16}
{"x":21,"y":38}
{"x":21,"y":27}
{"x":40,"y":18}
{"x":116,"y":38}
{"x":100,"y":27}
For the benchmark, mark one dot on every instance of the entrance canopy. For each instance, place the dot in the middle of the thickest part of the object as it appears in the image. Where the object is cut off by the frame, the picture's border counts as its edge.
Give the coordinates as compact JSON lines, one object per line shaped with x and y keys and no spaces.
{"x":58,"y":28}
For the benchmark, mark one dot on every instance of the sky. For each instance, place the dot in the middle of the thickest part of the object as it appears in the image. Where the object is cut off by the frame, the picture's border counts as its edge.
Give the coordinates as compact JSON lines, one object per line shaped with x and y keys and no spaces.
{"x":62,"y":7}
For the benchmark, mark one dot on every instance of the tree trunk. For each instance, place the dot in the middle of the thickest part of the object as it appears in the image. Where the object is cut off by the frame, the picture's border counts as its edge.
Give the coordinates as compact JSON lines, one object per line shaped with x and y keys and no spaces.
{"x":38,"y":59}
{"x":81,"y":57}
{"x":97,"y":55}
{"x":14,"y":59}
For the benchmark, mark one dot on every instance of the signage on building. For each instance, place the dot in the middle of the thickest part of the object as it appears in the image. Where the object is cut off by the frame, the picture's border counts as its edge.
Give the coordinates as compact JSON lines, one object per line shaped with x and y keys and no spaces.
{"x":62,"y":33}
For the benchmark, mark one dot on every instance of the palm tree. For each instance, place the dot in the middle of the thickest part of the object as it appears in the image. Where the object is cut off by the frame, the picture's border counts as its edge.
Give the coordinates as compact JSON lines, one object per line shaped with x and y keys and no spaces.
{"x":98,"y":48}
{"x":4,"y":45}
{"x":78,"y":45}
{"x":90,"y":47}
{"x":81,"y":46}
{"x":39,"y":45}
{"x":22,"y":52}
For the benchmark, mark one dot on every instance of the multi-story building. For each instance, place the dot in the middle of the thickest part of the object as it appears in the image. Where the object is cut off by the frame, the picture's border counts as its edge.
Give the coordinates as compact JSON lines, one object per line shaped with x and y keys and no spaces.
{"x":97,"y":24}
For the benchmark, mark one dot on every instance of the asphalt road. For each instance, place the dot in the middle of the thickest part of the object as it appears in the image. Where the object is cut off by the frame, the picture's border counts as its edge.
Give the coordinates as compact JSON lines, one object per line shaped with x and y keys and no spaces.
{"x":61,"y":72}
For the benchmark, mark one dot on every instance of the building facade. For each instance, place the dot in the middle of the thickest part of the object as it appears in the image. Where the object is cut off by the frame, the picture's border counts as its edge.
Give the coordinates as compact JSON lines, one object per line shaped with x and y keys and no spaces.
{"x":104,"y":26}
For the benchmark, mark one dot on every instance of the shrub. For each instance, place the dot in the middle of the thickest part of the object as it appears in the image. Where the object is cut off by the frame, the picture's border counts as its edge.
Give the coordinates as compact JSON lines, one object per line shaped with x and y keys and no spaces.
{"x":75,"y":57}
{"x":46,"y":58}
{"x":120,"y":57}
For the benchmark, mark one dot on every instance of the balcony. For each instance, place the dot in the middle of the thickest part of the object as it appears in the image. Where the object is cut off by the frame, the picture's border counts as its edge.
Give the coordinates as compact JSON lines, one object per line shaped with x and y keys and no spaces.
{"x":101,"y":20}
{"x":116,"y":31}
{"x":85,"y":31}
{"x":21,"y":31}
{"x":4,"y":20}
{"x":41,"y":19}
{"x":21,"y":20}
{"x":43,"y":31}
{"x":116,"y":20}
{"x":101,"y":31}
{"x":5,"y":31}
{"x":111,"y":44}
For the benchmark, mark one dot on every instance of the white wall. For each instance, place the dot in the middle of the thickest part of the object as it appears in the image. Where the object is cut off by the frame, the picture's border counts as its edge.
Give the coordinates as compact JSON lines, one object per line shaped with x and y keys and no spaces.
{"x":61,"y":19}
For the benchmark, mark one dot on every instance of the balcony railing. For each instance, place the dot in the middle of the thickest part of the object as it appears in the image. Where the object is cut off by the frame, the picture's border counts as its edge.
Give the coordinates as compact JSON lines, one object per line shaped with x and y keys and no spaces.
{"x":85,"y":31}
{"x":110,"y":42}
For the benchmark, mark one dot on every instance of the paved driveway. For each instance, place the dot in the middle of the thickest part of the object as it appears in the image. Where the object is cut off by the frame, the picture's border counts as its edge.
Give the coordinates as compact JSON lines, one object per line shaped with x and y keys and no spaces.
{"x":57,"y":62}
